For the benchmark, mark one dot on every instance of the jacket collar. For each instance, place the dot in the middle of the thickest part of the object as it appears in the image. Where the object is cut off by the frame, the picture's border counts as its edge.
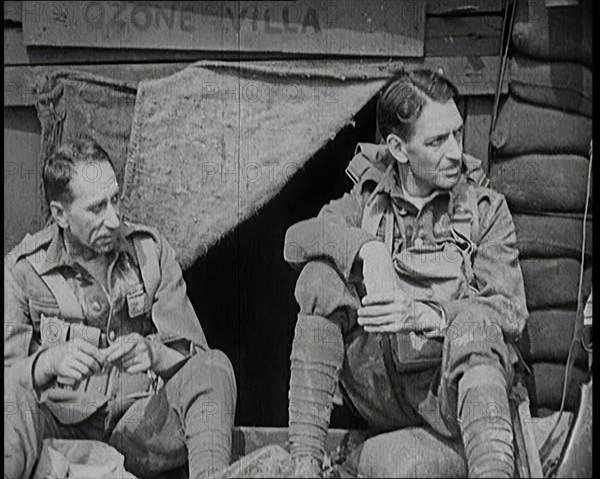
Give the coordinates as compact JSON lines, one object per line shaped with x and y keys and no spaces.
{"x":390,"y":183}
{"x":57,"y":254}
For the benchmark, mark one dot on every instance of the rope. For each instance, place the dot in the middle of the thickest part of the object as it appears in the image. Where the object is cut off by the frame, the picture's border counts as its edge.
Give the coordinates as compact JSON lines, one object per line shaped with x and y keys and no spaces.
{"x":549,"y":443}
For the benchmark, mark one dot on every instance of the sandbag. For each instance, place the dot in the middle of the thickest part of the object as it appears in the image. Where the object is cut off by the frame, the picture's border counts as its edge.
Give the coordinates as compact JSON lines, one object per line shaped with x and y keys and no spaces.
{"x":81,"y":459}
{"x":408,"y":452}
{"x":561,"y":33}
{"x":547,"y":337}
{"x":527,"y":128}
{"x":542,"y":183}
{"x":553,"y":282}
{"x":545,"y":387}
{"x":545,"y":236}
{"x":561,"y":85}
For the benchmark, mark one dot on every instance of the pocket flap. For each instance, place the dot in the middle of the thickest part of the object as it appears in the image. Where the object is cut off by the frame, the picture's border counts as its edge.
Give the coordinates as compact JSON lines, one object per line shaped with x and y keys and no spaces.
{"x":53,"y":330}
{"x":138,"y":303}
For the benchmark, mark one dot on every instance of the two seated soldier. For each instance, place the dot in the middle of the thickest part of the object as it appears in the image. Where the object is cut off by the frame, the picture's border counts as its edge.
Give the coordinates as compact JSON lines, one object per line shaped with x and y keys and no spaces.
{"x":422,"y":299}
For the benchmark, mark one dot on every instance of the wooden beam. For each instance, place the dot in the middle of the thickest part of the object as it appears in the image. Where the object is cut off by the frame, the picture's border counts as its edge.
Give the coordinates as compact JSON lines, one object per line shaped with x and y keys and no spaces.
{"x":477,"y":127}
{"x":463,"y":7}
{"x":475,"y":35}
{"x":472,"y":75}
{"x":12,"y":11}
{"x":306,"y":26}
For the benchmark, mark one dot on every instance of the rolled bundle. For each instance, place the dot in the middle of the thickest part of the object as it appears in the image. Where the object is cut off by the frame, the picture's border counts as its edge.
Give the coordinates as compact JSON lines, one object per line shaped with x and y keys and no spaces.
{"x":545,"y":387}
{"x":542,"y":182}
{"x":547,"y":337}
{"x":553,"y":282}
{"x":523,"y":128}
{"x":561,"y":85}
{"x":561,"y":33}
{"x":549,"y":236}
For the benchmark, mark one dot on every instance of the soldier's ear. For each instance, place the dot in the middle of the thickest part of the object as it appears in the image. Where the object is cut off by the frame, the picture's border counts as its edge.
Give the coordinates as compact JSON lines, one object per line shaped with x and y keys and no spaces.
{"x":397,"y":148}
{"x":59,"y":214}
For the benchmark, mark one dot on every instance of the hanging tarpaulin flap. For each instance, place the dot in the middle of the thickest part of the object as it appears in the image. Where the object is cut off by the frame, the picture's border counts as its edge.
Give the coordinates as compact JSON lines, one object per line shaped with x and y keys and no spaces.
{"x":213,"y":143}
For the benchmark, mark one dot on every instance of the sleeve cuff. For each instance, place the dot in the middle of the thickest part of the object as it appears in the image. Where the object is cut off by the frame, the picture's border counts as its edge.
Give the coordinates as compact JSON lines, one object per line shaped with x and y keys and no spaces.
{"x":436,"y":333}
{"x":28,"y":364}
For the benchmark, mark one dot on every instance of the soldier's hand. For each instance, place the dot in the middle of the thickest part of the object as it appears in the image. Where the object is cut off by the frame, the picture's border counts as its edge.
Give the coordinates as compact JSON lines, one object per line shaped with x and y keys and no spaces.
{"x":387,"y":312}
{"x":131,"y":353}
{"x":392,"y":312}
{"x":73,"y":361}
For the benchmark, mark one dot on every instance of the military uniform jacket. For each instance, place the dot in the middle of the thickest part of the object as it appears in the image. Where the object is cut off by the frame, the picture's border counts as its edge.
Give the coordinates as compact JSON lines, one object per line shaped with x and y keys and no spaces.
{"x":338,"y":232}
{"x":146,"y":294}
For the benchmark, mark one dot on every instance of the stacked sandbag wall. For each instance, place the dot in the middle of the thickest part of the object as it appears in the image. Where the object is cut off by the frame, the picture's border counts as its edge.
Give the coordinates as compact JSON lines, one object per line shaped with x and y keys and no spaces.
{"x":541,"y":145}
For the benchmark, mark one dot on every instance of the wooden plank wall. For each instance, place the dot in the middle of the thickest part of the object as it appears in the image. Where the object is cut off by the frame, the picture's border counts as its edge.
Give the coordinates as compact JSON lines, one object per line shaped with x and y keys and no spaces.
{"x":461,"y":36}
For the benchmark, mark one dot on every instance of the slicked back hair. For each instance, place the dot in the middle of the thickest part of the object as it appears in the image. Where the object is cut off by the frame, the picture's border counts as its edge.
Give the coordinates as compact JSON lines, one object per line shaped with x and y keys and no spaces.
{"x":59,"y":168}
{"x":403,"y":97}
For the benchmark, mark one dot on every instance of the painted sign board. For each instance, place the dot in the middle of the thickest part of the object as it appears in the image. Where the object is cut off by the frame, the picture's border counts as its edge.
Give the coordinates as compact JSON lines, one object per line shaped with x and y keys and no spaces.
{"x":347,"y":27}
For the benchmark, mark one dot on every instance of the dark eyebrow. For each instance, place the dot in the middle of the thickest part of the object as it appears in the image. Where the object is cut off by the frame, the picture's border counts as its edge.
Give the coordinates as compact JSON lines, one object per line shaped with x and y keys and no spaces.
{"x":97,"y":204}
{"x":437,"y":137}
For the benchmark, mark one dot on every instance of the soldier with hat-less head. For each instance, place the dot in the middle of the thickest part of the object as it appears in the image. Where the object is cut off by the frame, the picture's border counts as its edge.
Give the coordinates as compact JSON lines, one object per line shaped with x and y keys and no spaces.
{"x":413,"y":282}
{"x":100,"y":339}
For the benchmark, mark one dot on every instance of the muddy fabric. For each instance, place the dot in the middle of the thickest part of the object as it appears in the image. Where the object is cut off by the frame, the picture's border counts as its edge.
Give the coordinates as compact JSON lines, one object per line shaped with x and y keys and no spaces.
{"x":487,"y":434}
{"x":384,"y":396}
{"x":554,"y":33}
{"x":547,"y":337}
{"x":561,"y":85}
{"x":313,"y":383}
{"x":524,"y":128}
{"x":547,"y":236}
{"x":213,"y":143}
{"x":553,"y":282}
{"x":542,"y":182}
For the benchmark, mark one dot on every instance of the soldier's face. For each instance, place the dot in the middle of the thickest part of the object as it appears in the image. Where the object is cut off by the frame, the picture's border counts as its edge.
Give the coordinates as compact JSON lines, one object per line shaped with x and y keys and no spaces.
{"x":93,"y":216}
{"x":436,"y":148}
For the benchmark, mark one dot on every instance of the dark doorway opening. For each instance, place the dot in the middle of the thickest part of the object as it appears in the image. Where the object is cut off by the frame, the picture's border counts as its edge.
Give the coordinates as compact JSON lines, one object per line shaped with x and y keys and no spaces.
{"x":243,"y":291}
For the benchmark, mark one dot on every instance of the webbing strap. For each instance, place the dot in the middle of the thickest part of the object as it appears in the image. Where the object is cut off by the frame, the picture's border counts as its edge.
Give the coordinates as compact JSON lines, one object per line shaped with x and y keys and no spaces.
{"x":145,"y":249}
{"x":63,"y":293}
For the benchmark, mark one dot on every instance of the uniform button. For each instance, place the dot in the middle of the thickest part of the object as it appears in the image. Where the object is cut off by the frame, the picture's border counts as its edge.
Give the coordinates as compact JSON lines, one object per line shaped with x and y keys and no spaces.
{"x":419,"y":242}
{"x":429,"y":294}
{"x":112,"y":335}
{"x":96,"y":306}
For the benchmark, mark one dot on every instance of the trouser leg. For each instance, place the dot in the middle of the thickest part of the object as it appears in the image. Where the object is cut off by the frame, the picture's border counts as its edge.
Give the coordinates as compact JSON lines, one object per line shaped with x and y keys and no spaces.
{"x":27,"y":421}
{"x":189,"y":419}
{"x":476,"y":373}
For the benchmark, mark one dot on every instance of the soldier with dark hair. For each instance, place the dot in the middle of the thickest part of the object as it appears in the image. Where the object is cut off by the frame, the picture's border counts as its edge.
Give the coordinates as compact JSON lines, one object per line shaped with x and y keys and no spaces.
{"x":100,"y":339}
{"x":410,"y":293}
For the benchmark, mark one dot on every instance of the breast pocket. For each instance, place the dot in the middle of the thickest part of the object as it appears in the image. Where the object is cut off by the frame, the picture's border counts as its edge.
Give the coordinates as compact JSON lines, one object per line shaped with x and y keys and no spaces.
{"x":139,"y":311}
{"x":45,"y":317}
{"x":39,"y":307}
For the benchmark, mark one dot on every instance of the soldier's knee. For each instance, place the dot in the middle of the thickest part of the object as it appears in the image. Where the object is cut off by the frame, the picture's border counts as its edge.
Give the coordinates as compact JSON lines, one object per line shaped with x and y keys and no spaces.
{"x":482,"y":338}
{"x":215,"y":364}
{"x":15,"y":389}
{"x":318,"y":288}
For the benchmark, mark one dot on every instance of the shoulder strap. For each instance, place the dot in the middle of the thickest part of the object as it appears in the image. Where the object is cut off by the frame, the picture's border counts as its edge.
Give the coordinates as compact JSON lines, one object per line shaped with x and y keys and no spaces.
{"x":474,"y":209}
{"x":65,"y":296}
{"x":145,"y":249}
{"x":465,"y":217}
